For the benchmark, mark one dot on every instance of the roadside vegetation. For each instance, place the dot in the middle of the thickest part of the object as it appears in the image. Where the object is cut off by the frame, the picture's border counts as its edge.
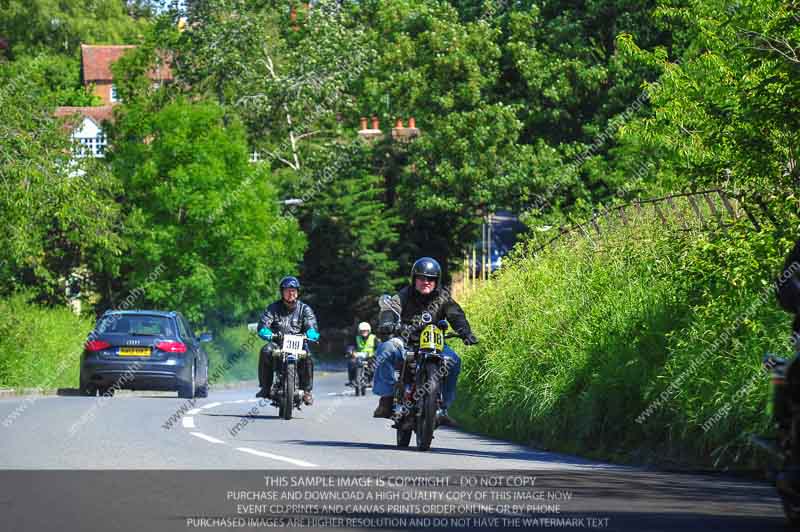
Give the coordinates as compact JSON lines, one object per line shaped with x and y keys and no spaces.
{"x":641,"y":345}
{"x":225,"y":347}
{"x":235,"y":173}
{"x":40,"y":346}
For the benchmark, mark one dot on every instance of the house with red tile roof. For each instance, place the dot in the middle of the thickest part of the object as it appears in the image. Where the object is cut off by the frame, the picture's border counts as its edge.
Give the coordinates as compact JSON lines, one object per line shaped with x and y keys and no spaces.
{"x":96,"y":73}
{"x":96,"y":61}
{"x":86,"y":124}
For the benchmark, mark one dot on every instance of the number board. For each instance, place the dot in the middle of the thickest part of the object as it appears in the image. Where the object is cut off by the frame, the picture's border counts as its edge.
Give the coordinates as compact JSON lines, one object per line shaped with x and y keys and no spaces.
{"x":293,"y":343}
{"x":432,"y":338}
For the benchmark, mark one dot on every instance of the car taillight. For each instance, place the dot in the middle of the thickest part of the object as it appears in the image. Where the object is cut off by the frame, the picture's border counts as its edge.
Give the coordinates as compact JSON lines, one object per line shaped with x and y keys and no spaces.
{"x":172,"y":347}
{"x":97,"y":345}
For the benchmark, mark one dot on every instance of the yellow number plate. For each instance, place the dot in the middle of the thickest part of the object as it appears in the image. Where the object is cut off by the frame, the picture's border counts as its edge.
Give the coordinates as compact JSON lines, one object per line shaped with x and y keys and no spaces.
{"x":432,"y":338}
{"x":134,"y":351}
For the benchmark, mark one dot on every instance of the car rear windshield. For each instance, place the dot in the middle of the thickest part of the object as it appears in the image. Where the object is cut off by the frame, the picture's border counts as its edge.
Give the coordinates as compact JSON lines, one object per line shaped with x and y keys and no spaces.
{"x":136,"y":324}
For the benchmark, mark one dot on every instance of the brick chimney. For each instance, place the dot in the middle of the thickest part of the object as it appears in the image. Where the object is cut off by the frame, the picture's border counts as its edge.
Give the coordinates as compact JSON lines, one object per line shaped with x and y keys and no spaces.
{"x":405,"y":134}
{"x":370,"y":134}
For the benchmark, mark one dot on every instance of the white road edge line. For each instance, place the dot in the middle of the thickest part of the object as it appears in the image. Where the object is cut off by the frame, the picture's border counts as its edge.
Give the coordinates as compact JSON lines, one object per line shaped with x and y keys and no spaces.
{"x":300,"y":463}
{"x":207,"y":438}
{"x":210,"y":405}
{"x":188,"y":422}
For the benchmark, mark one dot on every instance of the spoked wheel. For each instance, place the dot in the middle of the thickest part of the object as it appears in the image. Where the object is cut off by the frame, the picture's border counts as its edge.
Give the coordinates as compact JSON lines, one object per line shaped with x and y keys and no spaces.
{"x":790,"y":502}
{"x":403,"y":437}
{"x":287,"y":401}
{"x":427,"y":404}
{"x":357,"y":381}
{"x":791,"y":509}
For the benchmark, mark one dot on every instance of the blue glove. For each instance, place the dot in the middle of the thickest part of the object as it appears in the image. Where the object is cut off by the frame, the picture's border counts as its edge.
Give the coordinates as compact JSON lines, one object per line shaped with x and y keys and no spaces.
{"x":265,"y":334}
{"x":312,"y":335}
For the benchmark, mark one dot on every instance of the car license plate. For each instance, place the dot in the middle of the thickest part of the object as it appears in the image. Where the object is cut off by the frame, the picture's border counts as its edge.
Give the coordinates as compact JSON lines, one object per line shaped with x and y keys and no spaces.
{"x":134,"y":351}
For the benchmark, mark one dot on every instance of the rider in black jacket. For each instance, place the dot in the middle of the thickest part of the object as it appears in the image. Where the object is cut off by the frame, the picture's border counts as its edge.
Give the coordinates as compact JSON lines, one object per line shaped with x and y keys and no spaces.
{"x":788,"y":289}
{"x":421,"y":303}
{"x":288,"y":315}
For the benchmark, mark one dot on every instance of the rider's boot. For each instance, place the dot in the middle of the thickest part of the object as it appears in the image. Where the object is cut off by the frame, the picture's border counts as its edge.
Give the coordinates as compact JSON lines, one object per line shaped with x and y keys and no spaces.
{"x":263,"y":393}
{"x":442,"y":419}
{"x":384,"y":407}
{"x":308,"y":399}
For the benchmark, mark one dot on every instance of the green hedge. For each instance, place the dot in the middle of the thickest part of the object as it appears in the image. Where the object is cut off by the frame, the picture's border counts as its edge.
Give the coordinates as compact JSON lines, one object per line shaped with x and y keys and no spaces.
{"x":580,"y":340}
{"x":40,"y":347}
{"x":227,"y":346}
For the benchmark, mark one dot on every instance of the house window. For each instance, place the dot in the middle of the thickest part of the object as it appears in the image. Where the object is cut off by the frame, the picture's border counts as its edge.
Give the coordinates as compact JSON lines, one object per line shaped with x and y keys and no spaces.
{"x":113,"y":94}
{"x":91,"y":146}
{"x":255,"y":156}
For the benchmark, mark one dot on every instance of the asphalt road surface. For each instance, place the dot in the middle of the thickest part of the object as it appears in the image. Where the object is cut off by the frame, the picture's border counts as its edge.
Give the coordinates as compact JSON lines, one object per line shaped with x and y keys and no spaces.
{"x":151,"y":461}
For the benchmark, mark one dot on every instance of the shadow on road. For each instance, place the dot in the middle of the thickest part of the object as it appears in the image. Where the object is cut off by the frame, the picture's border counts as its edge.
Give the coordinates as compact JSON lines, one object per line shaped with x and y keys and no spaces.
{"x":515,"y":454}
{"x":242,"y":416}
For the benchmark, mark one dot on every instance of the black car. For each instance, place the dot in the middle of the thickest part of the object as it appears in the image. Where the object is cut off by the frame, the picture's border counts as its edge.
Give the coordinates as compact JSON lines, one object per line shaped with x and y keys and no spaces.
{"x":144,"y":350}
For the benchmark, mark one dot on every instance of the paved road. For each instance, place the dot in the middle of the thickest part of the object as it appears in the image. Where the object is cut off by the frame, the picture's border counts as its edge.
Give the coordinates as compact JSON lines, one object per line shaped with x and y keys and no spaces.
{"x":165,"y":473}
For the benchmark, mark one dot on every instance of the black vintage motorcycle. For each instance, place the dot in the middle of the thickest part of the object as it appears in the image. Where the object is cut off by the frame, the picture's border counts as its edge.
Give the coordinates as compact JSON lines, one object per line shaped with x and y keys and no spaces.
{"x":786,"y":445}
{"x":362,"y":372}
{"x":285,"y":391}
{"x":418,"y":394}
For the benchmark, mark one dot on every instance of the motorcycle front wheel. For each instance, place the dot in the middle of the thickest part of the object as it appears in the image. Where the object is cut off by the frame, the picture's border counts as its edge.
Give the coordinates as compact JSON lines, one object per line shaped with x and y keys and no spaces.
{"x":403,"y":437}
{"x":287,"y":401}
{"x":427,"y":405}
{"x":357,"y":381}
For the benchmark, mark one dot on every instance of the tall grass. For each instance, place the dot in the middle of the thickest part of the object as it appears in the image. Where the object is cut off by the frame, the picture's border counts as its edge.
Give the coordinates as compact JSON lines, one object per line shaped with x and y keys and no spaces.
{"x":580,"y":339}
{"x":40,"y":347}
{"x":226,"y":346}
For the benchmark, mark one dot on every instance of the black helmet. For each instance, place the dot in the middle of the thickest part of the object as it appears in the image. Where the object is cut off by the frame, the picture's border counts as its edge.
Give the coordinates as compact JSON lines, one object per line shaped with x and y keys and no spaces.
{"x":426,"y":267}
{"x":289,"y":282}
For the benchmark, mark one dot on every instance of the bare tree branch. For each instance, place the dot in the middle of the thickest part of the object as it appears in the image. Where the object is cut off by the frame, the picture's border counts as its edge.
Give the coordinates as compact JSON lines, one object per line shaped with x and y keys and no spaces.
{"x":281,"y":159}
{"x":295,"y":156}
{"x":779,"y":45}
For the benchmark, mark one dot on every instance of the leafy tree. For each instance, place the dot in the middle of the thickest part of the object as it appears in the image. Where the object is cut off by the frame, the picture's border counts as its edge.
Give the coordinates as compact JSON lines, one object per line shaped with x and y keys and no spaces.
{"x":57,"y":213}
{"x":288,"y":81}
{"x":726,"y":111}
{"x":291,"y":84}
{"x":198,"y":211}
{"x":56,"y":77}
{"x":352,"y":236}
{"x":443,"y":71}
{"x":60,"y":27}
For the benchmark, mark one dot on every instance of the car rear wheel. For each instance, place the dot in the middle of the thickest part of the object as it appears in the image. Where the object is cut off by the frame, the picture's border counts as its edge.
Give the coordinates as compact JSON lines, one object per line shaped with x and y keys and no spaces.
{"x":187,"y":386}
{"x":202,"y":390}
